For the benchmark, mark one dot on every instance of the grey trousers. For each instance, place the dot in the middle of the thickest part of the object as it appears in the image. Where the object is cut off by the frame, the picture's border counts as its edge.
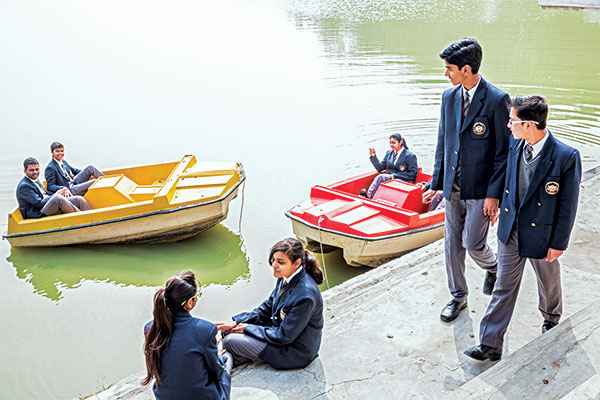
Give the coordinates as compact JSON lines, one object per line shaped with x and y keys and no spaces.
{"x":59,"y":204}
{"x":504,"y":297}
{"x":465,"y":230}
{"x":243,"y":348}
{"x":81,"y":183}
{"x":378,"y":180}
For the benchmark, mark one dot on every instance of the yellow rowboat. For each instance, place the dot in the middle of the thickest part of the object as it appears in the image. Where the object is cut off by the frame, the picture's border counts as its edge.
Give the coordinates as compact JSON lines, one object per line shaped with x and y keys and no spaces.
{"x":153,"y":203}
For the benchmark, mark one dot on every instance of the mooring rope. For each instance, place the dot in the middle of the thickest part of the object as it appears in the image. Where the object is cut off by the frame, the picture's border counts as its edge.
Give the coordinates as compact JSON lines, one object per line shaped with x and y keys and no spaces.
{"x":241,"y":211}
{"x":322,"y":253}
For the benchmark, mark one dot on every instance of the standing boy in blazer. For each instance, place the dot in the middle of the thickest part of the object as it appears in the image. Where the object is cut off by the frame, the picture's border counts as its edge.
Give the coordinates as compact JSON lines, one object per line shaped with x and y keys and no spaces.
{"x":469,"y":167}
{"x":537,"y":214}
{"x":59,"y":174}
{"x":36,"y":202}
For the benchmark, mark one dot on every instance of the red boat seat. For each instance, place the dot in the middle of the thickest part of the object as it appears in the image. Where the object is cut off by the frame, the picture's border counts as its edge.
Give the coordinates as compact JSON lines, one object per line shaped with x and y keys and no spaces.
{"x":401,"y":194}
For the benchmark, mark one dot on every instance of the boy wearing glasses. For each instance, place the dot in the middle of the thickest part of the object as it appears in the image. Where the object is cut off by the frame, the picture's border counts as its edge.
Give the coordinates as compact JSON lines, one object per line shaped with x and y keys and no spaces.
{"x":469,"y":167}
{"x":537,"y":214}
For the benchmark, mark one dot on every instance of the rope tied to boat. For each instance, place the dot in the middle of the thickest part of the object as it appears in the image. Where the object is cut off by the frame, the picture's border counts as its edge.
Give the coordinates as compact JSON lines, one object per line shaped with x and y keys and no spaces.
{"x":322,"y":253}
{"x":241,"y":211}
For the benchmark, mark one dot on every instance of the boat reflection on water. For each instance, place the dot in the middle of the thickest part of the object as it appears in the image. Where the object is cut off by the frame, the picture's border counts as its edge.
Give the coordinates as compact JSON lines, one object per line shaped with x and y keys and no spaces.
{"x":216,"y":257}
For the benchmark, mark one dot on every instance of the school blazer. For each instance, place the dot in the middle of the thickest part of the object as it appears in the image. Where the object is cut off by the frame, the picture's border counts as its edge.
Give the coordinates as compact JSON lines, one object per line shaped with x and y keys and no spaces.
{"x":30,"y":199}
{"x":290,"y":324}
{"x":405,"y":168}
{"x":546,"y":215}
{"x":190,"y":367}
{"x":55,"y":177}
{"x":481,"y":142}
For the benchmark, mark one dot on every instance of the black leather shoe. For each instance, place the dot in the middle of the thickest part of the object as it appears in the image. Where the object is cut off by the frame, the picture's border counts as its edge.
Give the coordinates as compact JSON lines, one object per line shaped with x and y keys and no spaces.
{"x":483,"y":352}
{"x":452,"y":309}
{"x":488,"y":284}
{"x":547,"y":325}
{"x":363,"y":193}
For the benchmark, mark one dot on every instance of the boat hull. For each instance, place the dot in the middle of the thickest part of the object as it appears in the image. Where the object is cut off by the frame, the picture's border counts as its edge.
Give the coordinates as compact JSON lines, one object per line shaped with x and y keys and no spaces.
{"x":160,"y":227}
{"x":365,"y":251}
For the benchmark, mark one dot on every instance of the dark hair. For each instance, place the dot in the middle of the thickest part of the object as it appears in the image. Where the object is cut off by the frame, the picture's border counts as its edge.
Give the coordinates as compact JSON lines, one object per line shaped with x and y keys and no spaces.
{"x":466,"y":51}
{"x":167,"y":300}
{"x":294,"y":250}
{"x":30,"y":161}
{"x":56,"y":145}
{"x":400,"y":139}
{"x":532,"y":108}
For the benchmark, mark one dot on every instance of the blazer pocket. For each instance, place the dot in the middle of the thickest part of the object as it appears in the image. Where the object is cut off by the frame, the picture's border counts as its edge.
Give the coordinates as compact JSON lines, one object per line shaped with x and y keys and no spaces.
{"x":480,"y":128}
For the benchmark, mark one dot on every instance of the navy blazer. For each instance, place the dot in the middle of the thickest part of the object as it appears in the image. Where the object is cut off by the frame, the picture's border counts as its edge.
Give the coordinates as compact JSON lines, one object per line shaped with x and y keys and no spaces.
{"x":482,"y":142}
{"x":546,"y":215}
{"x":190,"y":367}
{"x":405,"y":168}
{"x":56,"y":178}
{"x":30,"y":199}
{"x":290,"y":323}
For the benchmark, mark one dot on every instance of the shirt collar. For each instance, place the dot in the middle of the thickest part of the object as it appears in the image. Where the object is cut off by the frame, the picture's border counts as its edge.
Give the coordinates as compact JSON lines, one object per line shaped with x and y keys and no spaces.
{"x":296,"y":272}
{"x":472,"y":90}
{"x":401,"y":151}
{"x":58,"y":162}
{"x":35,"y":181}
{"x":537,"y":148}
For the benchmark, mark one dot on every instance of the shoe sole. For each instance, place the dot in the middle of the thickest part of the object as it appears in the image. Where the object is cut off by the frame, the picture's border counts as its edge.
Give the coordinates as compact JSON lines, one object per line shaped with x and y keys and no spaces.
{"x":449,"y":319}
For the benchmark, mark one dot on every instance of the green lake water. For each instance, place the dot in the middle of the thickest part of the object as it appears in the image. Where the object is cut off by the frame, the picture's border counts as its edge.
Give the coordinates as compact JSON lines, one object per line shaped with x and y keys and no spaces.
{"x":295,"y":90}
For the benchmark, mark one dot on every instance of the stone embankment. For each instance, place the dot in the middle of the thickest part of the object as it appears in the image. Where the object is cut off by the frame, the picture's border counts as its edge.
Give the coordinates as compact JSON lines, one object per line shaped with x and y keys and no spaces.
{"x":383,"y":338}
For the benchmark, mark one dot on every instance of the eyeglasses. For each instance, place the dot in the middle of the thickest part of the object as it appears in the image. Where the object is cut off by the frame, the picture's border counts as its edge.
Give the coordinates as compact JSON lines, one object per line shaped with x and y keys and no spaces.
{"x":193,"y":297}
{"x":512,"y":122}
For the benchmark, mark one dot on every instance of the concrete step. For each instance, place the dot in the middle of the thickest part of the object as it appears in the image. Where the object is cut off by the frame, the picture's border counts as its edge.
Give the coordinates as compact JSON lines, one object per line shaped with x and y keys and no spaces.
{"x":561,"y":364}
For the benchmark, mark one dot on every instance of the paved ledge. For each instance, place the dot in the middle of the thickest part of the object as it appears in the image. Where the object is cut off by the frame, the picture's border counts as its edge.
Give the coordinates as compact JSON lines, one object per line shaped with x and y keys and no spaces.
{"x":570,"y":4}
{"x":383,"y":338}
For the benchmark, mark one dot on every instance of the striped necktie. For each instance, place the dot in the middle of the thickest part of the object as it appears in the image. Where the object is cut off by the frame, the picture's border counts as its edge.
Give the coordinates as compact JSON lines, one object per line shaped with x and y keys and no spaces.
{"x":283,"y":287}
{"x":466,"y":105}
{"x":395,"y":157}
{"x":528,"y":152}
{"x":67,"y":174}
{"x":39,"y":185}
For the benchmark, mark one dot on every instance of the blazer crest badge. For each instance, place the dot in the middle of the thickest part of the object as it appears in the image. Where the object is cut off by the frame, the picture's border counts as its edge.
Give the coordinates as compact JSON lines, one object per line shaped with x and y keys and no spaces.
{"x":401,"y":167}
{"x":552,"y":187}
{"x":479,"y":128}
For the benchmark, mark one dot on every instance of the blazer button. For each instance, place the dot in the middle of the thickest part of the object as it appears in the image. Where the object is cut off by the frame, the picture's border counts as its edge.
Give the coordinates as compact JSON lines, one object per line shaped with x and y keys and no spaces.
{"x":506,"y":209}
{"x":539,"y":204}
{"x":507,"y":192}
{"x":453,"y":168}
{"x":533,"y":224}
{"x":456,"y":152}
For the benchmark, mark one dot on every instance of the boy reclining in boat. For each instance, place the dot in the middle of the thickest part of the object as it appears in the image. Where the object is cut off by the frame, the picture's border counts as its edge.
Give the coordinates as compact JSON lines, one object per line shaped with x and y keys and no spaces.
{"x":60,"y":175}
{"x":399,"y":162}
{"x":36,"y":202}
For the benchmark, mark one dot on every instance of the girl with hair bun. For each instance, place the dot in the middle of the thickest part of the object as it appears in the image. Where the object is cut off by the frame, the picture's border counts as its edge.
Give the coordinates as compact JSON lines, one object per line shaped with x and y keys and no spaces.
{"x":181,"y":351}
{"x":285,"y":330}
{"x":398,"y":161}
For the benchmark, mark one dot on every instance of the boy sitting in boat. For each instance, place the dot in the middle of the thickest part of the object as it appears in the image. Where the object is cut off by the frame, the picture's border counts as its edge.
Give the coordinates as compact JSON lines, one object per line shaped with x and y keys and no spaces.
{"x":399,"y":162}
{"x":60,"y":175}
{"x":36,"y":202}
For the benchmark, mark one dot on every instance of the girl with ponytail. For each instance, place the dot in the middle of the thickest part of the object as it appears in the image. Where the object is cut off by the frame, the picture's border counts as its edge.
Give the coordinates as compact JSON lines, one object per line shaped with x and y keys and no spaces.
{"x":399,"y":162}
{"x":180,"y":350}
{"x":285,"y":330}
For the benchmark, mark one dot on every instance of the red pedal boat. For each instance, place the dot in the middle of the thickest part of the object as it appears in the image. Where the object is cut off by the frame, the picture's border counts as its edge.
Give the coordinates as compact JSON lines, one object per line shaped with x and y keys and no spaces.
{"x":370,"y":231}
